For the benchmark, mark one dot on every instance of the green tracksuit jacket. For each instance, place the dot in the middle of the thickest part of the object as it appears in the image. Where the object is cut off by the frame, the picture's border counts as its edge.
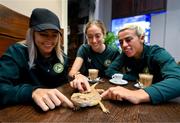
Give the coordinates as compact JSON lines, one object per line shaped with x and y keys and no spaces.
{"x":17,"y":80}
{"x":166,"y":80}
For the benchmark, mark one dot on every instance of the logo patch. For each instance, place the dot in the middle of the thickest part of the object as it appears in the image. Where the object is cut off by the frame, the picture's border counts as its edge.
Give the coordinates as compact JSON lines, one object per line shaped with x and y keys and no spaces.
{"x":128,"y":69}
{"x":58,"y":67}
{"x":107,"y":62}
{"x":89,"y":60}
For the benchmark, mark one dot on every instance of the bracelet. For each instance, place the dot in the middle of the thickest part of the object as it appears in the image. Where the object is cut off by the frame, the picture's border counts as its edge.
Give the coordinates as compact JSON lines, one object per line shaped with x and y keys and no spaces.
{"x":74,"y":76}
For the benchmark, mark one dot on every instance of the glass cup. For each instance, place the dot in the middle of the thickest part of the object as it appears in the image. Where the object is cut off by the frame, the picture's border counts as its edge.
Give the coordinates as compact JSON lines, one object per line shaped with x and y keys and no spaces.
{"x":145,"y":79}
{"x":93,"y":73}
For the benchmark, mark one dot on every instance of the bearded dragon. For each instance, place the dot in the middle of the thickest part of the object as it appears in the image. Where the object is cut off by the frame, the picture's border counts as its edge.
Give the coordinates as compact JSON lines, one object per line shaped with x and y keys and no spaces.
{"x":91,"y":98}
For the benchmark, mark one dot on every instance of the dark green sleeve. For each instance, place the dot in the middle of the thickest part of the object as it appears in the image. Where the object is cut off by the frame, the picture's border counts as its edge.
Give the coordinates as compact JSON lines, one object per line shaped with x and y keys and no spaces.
{"x":114,"y":67}
{"x":169,"y":87}
{"x":164,"y":90}
{"x":12,"y":89}
{"x":15,"y":94}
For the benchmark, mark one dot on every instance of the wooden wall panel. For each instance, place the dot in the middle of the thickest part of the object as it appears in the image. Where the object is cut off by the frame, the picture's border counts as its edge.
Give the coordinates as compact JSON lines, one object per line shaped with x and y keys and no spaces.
{"x":126,"y":8}
{"x":13,"y":27}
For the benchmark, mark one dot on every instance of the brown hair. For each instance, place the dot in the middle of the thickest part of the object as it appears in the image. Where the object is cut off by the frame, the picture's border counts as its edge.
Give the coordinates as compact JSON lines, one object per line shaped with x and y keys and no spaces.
{"x":98,"y":23}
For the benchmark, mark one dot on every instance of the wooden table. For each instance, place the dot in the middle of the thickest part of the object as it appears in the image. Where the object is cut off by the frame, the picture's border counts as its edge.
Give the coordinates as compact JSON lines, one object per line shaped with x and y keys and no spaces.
{"x":119,"y":111}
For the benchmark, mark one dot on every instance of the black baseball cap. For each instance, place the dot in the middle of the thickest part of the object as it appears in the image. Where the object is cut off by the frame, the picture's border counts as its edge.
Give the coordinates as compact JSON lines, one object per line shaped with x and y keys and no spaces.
{"x":42,"y":19}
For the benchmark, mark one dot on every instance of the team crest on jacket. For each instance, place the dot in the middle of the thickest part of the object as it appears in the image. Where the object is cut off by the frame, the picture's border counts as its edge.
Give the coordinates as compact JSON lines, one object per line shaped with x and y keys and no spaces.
{"x":89,"y":60}
{"x":58,"y":67}
{"x":107,"y":62}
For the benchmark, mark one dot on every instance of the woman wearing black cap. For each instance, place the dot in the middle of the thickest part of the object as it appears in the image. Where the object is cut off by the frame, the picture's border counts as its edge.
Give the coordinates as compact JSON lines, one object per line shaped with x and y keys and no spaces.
{"x":32,"y":69}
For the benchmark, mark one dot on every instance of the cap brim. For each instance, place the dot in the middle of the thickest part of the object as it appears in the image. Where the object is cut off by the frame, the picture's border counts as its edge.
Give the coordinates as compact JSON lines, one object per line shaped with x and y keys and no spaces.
{"x":46,"y":26}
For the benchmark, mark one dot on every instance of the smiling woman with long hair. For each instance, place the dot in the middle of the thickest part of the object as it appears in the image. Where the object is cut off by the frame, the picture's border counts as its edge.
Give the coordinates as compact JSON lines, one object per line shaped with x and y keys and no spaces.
{"x":31,"y":70}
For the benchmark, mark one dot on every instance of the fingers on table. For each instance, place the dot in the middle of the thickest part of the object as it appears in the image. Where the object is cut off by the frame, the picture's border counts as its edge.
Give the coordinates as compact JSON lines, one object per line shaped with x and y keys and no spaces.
{"x":112,"y":93}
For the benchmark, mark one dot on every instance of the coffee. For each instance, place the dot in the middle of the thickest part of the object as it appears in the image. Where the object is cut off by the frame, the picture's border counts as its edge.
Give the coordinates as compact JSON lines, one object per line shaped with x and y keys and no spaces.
{"x":93,"y":73}
{"x":145,"y":79}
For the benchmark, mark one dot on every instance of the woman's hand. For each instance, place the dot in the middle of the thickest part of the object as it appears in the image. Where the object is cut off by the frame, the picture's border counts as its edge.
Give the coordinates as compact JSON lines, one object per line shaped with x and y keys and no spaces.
{"x":81,"y":83}
{"x":121,"y":93}
{"x":50,"y":98}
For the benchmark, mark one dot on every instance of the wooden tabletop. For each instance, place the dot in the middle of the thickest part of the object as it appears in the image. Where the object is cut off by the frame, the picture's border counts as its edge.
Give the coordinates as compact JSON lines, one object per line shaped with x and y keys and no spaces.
{"x":119,"y":111}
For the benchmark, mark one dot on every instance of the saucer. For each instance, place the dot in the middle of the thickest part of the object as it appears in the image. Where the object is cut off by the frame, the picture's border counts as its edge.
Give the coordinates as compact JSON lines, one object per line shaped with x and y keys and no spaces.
{"x":94,"y":81}
{"x":137,"y":85}
{"x":119,"y":82}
